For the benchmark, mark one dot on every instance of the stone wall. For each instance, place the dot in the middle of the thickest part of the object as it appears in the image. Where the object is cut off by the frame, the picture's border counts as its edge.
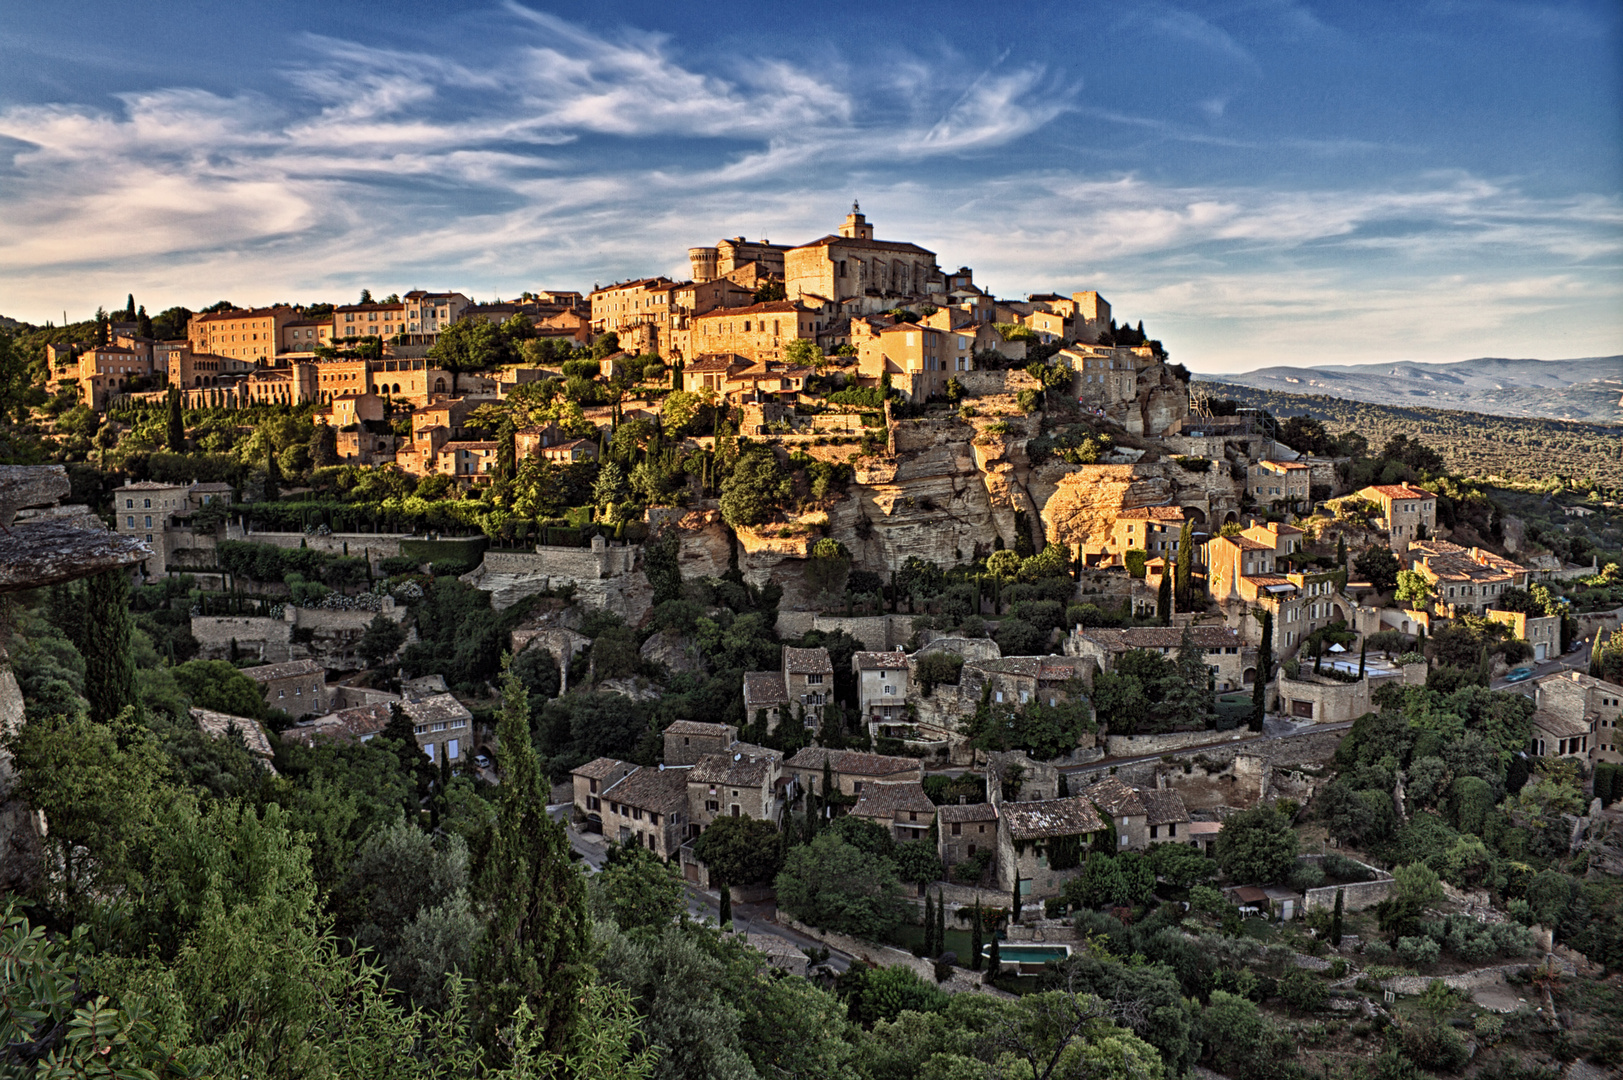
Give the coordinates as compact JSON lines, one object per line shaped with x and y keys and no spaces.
{"x":1332,"y":702}
{"x":1357,"y":895}
{"x":373,"y":545}
{"x":271,"y":640}
{"x":990,"y":383}
{"x":1139,"y":745}
{"x":878,"y":633}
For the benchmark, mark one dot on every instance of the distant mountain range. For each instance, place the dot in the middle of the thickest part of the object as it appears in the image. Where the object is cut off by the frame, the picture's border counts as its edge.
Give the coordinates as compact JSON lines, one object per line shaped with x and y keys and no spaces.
{"x":1587,"y":389}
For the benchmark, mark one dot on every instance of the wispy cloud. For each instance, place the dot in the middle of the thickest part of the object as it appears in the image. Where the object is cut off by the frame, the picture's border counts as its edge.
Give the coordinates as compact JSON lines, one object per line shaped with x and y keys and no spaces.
{"x":565,"y":156}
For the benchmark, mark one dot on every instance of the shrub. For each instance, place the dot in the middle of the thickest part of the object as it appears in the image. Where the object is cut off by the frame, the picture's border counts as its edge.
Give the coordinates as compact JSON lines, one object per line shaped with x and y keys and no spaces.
{"x":1343,"y":869}
{"x":1418,"y":950}
{"x":1303,"y":992}
{"x":937,"y":668}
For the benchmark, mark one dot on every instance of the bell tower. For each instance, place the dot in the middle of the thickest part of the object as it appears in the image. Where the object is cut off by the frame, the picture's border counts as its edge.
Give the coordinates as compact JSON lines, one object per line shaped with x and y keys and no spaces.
{"x":856,"y":226}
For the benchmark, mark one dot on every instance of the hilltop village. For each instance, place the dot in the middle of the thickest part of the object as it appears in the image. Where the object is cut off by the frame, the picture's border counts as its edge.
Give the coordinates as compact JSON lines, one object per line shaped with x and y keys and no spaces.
{"x":956,"y":643}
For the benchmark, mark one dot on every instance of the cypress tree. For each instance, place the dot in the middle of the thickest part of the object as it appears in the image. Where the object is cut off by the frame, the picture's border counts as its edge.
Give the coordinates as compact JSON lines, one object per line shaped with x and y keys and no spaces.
{"x":1341,"y":551}
{"x":1265,"y":662}
{"x":940,"y":923}
{"x":1335,"y":920}
{"x":1014,"y":900}
{"x":975,"y":942}
{"x":177,"y":425}
{"x":994,"y":959}
{"x":105,"y":636}
{"x":1363,"y":657}
{"x":726,"y":913}
{"x":534,"y":949}
{"x":1163,"y":598}
{"x":1064,"y":786}
{"x":273,"y":476}
{"x":1186,"y":566}
{"x":929,"y":927}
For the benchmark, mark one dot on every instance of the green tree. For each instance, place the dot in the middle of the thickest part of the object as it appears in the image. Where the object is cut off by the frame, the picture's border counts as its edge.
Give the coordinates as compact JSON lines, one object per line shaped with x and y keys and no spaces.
{"x":1265,"y":663}
{"x":755,"y":490}
{"x":610,"y":487}
{"x":176,"y":433}
{"x":1181,"y":864}
{"x":1379,"y":567}
{"x":639,"y":890}
{"x":1256,"y":845}
{"x":1163,"y":599}
{"x":1186,"y":566}
{"x":917,"y":862}
{"x":836,"y":886}
{"x":471,"y":345}
{"x":740,"y":850}
{"x":1415,"y":888}
{"x":323,"y":446}
{"x":1335,"y":920}
{"x":534,"y":952}
{"x":218,"y":685}
{"x":1413,"y":589}
{"x":105,"y":643}
{"x":382,"y":638}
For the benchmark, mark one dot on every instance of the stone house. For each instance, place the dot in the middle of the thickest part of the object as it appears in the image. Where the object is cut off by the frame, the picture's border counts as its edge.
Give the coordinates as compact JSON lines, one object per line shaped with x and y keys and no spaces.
{"x":297,"y":687}
{"x":806,"y":682}
{"x":1153,"y":530}
{"x":570,"y":451}
{"x":1555,"y":735}
{"x":218,"y":725}
{"x":1407,"y":513}
{"x":711,"y":372}
{"x":590,"y":781}
{"x":1020,"y":680}
{"x":648,"y":807}
{"x":1541,"y":632}
{"x":756,"y":333}
{"x":1121,"y":806}
{"x":1590,"y":711}
{"x":1322,"y":700}
{"x":918,"y":359}
{"x":1286,"y":482}
{"x":442,"y":725}
{"x":686,"y":741}
{"x":901,"y":806}
{"x":882,"y":684}
{"x":1232,"y":662}
{"x":851,"y":770}
{"x":1166,"y":816}
{"x":1464,"y":579}
{"x":965,"y":830}
{"x":1031,"y":836}
{"x":744,"y":782}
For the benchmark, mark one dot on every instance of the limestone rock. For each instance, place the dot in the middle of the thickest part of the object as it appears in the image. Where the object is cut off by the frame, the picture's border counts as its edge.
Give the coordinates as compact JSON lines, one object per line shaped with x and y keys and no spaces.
{"x":635,"y":688}
{"x":678,"y":653}
{"x":23,"y":486}
{"x":45,"y":552}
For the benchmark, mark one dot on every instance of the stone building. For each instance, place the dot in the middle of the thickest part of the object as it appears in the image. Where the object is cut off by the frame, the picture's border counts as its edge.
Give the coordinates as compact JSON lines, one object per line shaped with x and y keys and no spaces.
{"x":758,"y":332}
{"x":1464,"y":579}
{"x":1583,"y":709}
{"x":965,"y":830}
{"x":643,"y":302}
{"x":219,"y":725}
{"x":735,"y":253}
{"x":1032,"y":836}
{"x":297,"y":687}
{"x":918,"y":359}
{"x":850,"y":770}
{"x":1322,"y":700}
{"x":805,"y":683}
{"x":1121,"y":806}
{"x":1407,"y":513}
{"x":743,"y":781}
{"x":352,"y":321}
{"x":251,"y":335}
{"x":589,"y":782}
{"x":882,"y":682}
{"x":854,"y":266}
{"x":648,"y":807}
{"x":1154,"y":530}
{"x":1230,"y":660}
{"x":901,"y":807}
{"x":1284,"y":482}
{"x":686,"y":741}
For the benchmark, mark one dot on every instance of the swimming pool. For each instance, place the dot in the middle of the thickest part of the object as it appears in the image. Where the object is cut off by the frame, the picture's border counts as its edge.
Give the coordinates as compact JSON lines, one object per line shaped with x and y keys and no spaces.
{"x":1029,"y":955}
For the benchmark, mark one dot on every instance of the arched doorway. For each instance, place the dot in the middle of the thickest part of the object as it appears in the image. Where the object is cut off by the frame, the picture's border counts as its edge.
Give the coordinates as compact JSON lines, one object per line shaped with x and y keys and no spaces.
{"x":1249,"y":676}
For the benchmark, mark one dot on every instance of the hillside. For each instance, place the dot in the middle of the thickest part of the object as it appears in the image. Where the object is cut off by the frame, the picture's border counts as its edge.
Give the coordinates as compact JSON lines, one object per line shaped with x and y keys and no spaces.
{"x":1587,"y":389}
{"x":1473,"y":443}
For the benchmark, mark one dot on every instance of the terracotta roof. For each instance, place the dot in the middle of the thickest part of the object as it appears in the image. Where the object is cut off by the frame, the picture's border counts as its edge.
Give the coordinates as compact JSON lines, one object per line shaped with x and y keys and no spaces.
{"x":1163,"y":807}
{"x":150,"y":485}
{"x":1115,"y":798}
{"x":286,"y":670}
{"x":1205,"y":828}
{"x":874,"y":661}
{"x":250,"y":313}
{"x":764,"y":688}
{"x":1283,"y":464}
{"x":1033,"y":667}
{"x":981,"y":811}
{"x":697,"y":727}
{"x":771,"y":307}
{"x":1051,"y":817}
{"x":1399,"y":491}
{"x":598,"y":769}
{"x":851,"y":762}
{"x":217,"y":724}
{"x":807,"y":661}
{"x":662,"y":790}
{"x":716,"y":362}
{"x":743,"y":768}
{"x":886,"y":800}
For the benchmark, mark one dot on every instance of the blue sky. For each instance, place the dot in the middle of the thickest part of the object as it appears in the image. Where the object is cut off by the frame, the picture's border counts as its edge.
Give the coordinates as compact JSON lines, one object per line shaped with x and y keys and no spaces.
{"x":1261,"y":182}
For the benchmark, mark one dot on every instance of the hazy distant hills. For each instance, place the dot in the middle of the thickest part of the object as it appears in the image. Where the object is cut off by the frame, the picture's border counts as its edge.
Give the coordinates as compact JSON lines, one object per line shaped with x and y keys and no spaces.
{"x":1587,"y":389}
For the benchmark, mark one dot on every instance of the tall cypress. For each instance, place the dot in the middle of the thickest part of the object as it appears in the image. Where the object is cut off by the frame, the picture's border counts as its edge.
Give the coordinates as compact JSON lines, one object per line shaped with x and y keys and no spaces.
{"x":1163,"y":598}
{"x":177,"y":425}
{"x":1265,"y":663}
{"x":994,"y":961}
{"x":929,"y":927}
{"x":1363,"y":657}
{"x":1335,"y":920}
{"x":1014,"y":900}
{"x":725,"y":915}
{"x":975,"y":942}
{"x":104,"y":637}
{"x":273,"y":476}
{"x":535,"y":948}
{"x":940,"y":923}
{"x":1186,"y":566}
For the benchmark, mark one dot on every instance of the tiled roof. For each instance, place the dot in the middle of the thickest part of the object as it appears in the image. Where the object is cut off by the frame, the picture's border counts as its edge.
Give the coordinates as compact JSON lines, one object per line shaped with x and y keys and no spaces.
{"x":150,"y":485}
{"x":436,"y":707}
{"x":807,"y":661}
{"x":662,"y":790}
{"x":886,"y":800}
{"x":1283,"y":464}
{"x":217,"y":724}
{"x":1399,"y":491}
{"x":253,"y":313}
{"x":764,"y":688}
{"x":1557,"y":725}
{"x":697,"y":727}
{"x":875,"y":661}
{"x":771,"y":307}
{"x":286,"y":670}
{"x":359,"y":723}
{"x":1205,"y":636}
{"x":851,"y":762}
{"x":1033,"y":667}
{"x":981,"y":811}
{"x":745,"y":769}
{"x":851,"y":241}
{"x":598,"y":769}
{"x":716,"y":362}
{"x":1051,"y":817}
{"x":1115,"y":798}
{"x":1163,"y":807}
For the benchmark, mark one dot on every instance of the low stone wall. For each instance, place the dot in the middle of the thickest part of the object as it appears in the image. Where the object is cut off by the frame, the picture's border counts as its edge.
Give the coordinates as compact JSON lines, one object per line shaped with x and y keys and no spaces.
{"x":878,"y":633}
{"x":1356,"y":895}
{"x":1331,"y":702}
{"x":271,"y":639}
{"x":988,"y":383}
{"x":373,"y":545}
{"x":571,"y":562}
{"x":1139,"y":745}
{"x":877,"y":955}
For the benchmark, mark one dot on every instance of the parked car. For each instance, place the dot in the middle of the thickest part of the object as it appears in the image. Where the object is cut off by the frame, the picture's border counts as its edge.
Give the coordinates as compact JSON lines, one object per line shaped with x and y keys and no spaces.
{"x":482,"y":760}
{"x":1521,"y":674}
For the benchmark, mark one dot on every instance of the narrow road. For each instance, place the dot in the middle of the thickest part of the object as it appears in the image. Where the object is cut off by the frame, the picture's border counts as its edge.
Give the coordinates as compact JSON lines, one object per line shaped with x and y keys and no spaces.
{"x":1577,"y":660}
{"x":1276,"y":729}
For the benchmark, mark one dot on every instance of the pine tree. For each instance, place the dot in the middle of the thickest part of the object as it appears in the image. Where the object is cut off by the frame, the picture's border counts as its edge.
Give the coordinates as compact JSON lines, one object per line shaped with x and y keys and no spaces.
{"x":105,"y":634}
{"x":1186,"y":566}
{"x":975,"y":942}
{"x":1163,"y":599}
{"x":177,"y":425}
{"x":1265,"y":663}
{"x":534,"y":950}
{"x":1335,"y":920}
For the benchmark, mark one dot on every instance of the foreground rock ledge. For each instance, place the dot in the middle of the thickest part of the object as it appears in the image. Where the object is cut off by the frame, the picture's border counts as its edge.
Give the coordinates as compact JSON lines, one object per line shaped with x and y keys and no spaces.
{"x":40,"y":553}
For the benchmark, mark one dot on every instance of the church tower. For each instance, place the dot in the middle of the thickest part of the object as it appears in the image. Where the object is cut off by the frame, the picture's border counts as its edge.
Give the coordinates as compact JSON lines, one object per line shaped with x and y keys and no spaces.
{"x":856,"y":226}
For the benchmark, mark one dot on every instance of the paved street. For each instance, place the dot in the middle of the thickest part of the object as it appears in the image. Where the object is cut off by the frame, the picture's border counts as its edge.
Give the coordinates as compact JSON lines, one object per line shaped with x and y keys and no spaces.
{"x":1578,"y":661}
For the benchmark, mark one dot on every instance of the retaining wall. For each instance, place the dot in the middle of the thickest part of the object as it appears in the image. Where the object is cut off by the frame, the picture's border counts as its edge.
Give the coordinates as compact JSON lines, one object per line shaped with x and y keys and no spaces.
{"x":373,"y":545}
{"x":878,"y":633}
{"x":1139,"y":745}
{"x":1357,"y":895}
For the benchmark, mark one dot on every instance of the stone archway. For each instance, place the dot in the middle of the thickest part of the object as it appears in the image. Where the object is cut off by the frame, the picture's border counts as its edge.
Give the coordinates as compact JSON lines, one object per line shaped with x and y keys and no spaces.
{"x":1231,"y":518}
{"x":1249,"y":677}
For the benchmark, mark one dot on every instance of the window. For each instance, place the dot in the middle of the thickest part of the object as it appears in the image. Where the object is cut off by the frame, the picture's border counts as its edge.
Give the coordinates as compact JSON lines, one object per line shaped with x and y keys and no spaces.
{"x":1155,"y":831}
{"x":814,"y":679}
{"x":451,"y":750}
{"x":129,"y":503}
{"x":130,"y":522}
{"x":146,"y":504}
{"x":957,"y":828}
{"x":149,"y":521}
